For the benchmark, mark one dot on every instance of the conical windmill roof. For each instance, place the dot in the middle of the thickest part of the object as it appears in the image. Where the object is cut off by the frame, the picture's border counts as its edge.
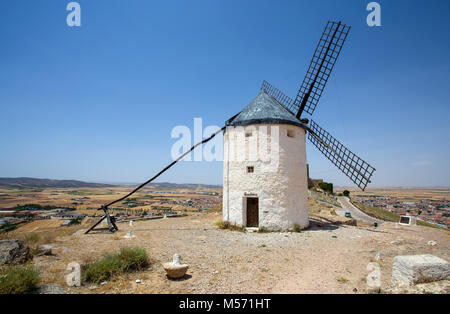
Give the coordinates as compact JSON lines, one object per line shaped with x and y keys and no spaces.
{"x":264,"y":109}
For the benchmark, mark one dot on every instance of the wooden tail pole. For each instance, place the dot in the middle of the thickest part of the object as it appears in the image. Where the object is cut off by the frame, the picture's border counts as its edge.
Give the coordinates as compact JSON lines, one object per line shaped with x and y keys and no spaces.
{"x":111,"y":222}
{"x":112,"y":227}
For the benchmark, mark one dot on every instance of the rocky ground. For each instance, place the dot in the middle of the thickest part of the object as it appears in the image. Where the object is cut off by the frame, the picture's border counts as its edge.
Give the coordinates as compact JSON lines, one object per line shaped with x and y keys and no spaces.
{"x":326,"y":258}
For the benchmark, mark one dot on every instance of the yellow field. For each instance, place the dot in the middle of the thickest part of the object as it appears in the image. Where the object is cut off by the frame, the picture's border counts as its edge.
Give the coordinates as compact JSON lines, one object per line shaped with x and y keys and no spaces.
{"x":92,"y":198}
{"x":44,"y":231}
{"x":40,"y":225}
{"x":403,"y":193}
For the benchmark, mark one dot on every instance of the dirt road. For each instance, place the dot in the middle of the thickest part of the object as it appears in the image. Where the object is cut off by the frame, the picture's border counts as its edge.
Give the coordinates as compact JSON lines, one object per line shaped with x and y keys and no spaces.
{"x":356,"y":213}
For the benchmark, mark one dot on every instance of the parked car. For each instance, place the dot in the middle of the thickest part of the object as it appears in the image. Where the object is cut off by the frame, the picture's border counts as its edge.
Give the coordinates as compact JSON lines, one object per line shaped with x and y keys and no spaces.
{"x":348,"y":214}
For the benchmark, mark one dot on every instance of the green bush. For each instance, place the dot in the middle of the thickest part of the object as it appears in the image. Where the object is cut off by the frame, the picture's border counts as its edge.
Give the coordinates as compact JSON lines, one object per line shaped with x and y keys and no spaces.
{"x":133,"y":258}
{"x":36,"y":206}
{"x":76,"y":221}
{"x":129,"y":259}
{"x":346,"y":193}
{"x":326,"y":187}
{"x":18,"y":280}
{"x":103,"y":269}
{"x":297,"y":228}
{"x":7,"y":228}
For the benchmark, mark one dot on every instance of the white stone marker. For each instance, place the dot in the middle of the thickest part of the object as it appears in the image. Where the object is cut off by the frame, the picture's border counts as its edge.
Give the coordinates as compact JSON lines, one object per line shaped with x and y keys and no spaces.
{"x":73,"y":279}
{"x":412,"y":269}
{"x":131,"y":223}
{"x":175,"y":269}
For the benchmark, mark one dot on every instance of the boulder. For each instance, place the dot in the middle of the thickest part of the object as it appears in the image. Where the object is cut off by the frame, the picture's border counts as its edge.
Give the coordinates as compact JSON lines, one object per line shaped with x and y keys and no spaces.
{"x":14,"y":252}
{"x":45,"y":249}
{"x":412,"y":269}
{"x":50,"y":289}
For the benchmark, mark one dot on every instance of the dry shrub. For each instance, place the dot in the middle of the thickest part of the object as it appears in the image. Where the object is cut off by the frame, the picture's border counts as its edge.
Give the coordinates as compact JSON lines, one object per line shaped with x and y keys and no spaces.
{"x":127,"y":260}
{"x":18,"y":280}
{"x":31,"y":238}
{"x":229,"y":226}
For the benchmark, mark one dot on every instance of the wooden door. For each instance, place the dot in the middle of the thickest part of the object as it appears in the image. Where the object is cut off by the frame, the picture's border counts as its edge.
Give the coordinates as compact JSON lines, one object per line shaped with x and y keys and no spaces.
{"x":252,"y":212}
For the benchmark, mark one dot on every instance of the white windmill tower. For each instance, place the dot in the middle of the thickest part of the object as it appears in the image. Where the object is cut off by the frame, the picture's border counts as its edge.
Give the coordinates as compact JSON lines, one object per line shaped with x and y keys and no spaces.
{"x":265,"y":172}
{"x":264,"y":167}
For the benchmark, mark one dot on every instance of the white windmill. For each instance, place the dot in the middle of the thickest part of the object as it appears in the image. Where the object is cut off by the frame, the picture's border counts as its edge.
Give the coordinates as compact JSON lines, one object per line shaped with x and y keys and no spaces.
{"x":265,"y":173}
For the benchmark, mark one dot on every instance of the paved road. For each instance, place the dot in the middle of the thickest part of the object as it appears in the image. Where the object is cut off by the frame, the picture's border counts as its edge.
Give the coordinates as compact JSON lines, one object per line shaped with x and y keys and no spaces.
{"x":356,"y":213}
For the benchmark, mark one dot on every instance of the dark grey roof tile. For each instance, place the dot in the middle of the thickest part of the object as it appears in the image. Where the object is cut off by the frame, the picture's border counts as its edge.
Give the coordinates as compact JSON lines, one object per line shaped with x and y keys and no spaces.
{"x":264,"y":109}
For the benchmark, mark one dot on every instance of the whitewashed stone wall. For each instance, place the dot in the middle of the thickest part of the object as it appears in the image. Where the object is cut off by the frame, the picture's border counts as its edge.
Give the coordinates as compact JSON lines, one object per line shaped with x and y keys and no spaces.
{"x":280,"y":182}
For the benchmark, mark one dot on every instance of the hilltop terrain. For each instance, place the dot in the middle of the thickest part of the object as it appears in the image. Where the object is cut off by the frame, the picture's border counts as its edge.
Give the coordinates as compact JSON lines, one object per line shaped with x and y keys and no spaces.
{"x":47,"y":183}
{"x":331,"y":256}
{"x":328,"y":257}
{"x":25,"y":182}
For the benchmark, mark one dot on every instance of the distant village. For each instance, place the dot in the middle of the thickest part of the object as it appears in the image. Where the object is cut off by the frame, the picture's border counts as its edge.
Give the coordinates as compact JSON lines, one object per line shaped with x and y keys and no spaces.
{"x":432,"y":211}
{"x":197,"y":203}
{"x":15,"y":215}
{"x":132,"y":208}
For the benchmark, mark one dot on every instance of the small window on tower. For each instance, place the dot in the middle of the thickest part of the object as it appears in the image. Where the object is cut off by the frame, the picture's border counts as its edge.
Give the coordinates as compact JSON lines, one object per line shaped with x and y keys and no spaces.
{"x":290,"y":133}
{"x":250,"y":169}
{"x":248,"y":133}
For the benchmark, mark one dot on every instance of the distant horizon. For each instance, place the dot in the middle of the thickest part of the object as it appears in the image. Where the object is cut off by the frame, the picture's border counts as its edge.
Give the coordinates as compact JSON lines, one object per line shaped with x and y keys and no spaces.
{"x":220,"y":185}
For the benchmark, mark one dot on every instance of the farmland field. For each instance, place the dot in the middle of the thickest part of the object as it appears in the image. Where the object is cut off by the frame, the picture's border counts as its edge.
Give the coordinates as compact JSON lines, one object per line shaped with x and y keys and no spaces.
{"x":413,"y":194}
{"x":87,"y":200}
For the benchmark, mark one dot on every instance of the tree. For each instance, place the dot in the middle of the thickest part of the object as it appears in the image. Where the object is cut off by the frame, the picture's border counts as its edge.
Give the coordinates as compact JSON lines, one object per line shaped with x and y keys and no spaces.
{"x":326,"y":187}
{"x":346,"y":193}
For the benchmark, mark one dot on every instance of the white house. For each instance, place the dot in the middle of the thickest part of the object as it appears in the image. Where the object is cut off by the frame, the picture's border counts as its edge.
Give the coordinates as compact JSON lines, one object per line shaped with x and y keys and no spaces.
{"x":264,"y":170}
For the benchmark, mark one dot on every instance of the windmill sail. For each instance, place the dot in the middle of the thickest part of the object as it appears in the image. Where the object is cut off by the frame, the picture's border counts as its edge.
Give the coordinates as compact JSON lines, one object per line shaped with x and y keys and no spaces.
{"x":286,"y":101}
{"x":322,"y":63}
{"x":351,"y":165}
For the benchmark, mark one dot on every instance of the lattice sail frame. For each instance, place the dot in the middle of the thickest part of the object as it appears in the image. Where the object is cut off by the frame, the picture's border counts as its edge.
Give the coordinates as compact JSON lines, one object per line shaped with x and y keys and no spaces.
{"x":286,"y":101}
{"x":322,"y":63}
{"x":320,"y":68}
{"x":345,"y":160}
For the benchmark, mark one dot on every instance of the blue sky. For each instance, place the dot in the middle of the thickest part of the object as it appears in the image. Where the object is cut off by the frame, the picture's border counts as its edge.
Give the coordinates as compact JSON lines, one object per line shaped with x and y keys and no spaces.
{"x":98,"y":102}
